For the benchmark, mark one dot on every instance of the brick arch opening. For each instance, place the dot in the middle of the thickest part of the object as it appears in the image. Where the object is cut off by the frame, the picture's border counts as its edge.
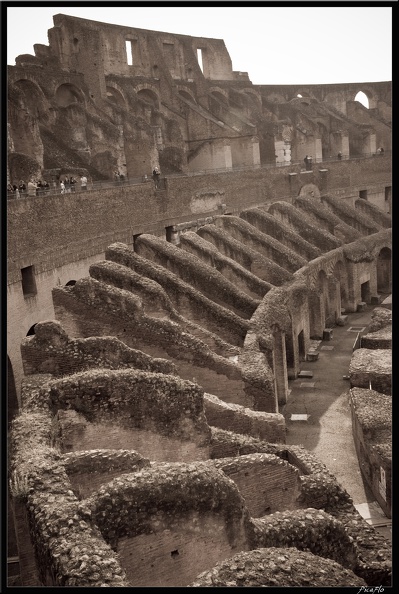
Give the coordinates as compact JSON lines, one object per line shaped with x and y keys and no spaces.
{"x":363,"y":99}
{"x":33,"y":98}
{"x":70,"y":283}
{"x":67,"y":94}
{"x":253,"y":99}
{"x":384,"y":271}
{"x":149,"y":97}
{"x":115,"y":96}
{"x":187,"y":96}
{"x":366,"y":96}
{"x":31,"y":331}
{"x":220,"y":96}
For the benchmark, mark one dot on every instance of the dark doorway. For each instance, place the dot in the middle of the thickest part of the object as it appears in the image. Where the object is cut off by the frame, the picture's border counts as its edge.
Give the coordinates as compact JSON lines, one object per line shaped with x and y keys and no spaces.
{"x":365,"y":292}
{"x":301,"y":346}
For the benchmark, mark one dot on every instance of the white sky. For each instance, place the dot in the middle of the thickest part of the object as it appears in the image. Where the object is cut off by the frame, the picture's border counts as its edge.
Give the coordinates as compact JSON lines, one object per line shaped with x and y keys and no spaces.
{"x":275,"y":45}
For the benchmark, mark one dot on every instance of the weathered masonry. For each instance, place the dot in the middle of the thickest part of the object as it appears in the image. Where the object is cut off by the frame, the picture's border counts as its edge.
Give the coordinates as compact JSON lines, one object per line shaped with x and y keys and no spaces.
{"x":153,"y":332}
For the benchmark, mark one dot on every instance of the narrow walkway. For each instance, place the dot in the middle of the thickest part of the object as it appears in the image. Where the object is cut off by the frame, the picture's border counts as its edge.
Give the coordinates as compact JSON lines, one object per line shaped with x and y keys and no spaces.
{"x":318,"y":416}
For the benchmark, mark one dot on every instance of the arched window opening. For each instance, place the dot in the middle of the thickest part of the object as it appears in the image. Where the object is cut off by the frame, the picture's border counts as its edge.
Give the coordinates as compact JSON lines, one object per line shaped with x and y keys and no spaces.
{"x":363,"y":99}
{"x":71,"y":283}
{"x":31,"y":331}
{"x":200,"y":59}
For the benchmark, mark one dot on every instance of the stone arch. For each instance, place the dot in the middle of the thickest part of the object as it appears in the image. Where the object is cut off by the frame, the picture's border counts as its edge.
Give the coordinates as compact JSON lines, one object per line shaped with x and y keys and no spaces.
{"x":187,"y":95}
{"x":303,"y":94}
{"x":33,"y":97}
{"x":384,"y":271}
{"x":67,"y":94}
{"x":253,"y":96}
{"x":31,"y":331}
{"x":148,"y":94}
{"x":115,"y":95}
{"x":219,"y":94}
{"x":237,"y":100}
{"x":363,"y":99}
{"x":70,"y":283}
{"x":369,"y":92}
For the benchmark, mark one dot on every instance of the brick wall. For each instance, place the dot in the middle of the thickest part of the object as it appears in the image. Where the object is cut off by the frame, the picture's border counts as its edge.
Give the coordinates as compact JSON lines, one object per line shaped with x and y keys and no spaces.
{"x":232,"y":417}
{"x":267,"y":483}
{"x":174,"y":557}
{"x":78,"y":435}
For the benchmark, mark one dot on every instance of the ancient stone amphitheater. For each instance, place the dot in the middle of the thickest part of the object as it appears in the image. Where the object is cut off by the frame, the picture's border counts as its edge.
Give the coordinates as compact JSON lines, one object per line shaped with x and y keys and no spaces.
{"x":153,"y":333}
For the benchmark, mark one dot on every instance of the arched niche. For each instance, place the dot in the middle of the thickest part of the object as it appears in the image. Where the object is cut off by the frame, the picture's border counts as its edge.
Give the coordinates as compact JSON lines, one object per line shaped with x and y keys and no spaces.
{"x":67,"y":94}
{"x":384,"y":271}
{"x":31,"y":331}
{"x":115,"y":96}
{"x":149,"y":97}
{"x":187,"y":96}
{"x":237,"y":100}
{"x":253,"y":98}
{"x":303,"y":95}
{"x":33,"y":98}
{"x":363,"y":99}
{"x":366,"y":96}
{"x":221,"y":97}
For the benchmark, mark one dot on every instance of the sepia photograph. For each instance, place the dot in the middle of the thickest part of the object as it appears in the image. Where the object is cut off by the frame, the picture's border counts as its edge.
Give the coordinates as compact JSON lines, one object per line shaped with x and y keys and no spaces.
{"x":198,"y":231}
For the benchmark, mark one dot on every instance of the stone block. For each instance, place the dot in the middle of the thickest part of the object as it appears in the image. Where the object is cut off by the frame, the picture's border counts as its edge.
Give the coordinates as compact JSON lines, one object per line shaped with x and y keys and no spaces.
{"x":327,"y":334}
{"x":361,"y":306}
{"x":342,"y":321}
{"x":305,"y":373}
{"x":312,"y":356}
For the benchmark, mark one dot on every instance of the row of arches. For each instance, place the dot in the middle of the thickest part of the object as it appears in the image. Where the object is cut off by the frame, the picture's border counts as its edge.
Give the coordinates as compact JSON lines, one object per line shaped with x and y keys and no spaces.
{"x":329,"y":296}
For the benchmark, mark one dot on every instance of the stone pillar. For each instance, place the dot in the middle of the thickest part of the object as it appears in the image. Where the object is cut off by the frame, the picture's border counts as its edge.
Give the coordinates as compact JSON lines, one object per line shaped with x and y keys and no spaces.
{"x":280,"y":368}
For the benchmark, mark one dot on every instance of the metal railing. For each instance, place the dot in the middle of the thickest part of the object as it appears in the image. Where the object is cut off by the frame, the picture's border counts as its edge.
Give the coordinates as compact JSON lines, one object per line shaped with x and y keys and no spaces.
{"x":134,"y":181}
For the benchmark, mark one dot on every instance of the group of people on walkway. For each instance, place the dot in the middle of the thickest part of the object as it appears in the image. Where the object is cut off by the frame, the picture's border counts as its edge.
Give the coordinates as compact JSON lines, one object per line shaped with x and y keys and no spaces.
{"x":41,"y":187}
{"x":68,"y":185}
{"x":32,"y":188}
{"x":119,"y":177}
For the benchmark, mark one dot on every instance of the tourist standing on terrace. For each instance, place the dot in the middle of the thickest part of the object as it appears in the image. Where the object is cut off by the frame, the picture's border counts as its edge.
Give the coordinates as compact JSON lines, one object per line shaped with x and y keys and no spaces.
{"x":156,"y":174}
{"x":22,"y":188}
{"x":32,"y":187}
